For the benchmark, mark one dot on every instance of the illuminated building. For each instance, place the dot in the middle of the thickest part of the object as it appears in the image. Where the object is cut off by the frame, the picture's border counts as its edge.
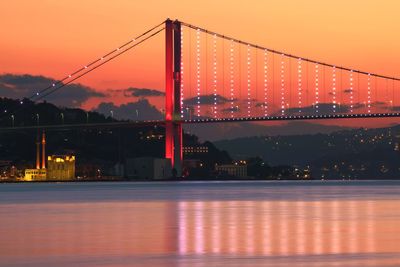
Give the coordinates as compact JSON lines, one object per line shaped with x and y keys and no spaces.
{"x":38,"y":174}
{"x":195,"y":149}
{"x":233,"y":169}
{"x":35,"y":175}
{"x":60,"y":167}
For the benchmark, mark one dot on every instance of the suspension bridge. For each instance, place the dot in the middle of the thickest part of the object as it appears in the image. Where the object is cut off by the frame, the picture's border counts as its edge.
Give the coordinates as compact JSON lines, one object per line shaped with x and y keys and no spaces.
{"x":211,"y":77}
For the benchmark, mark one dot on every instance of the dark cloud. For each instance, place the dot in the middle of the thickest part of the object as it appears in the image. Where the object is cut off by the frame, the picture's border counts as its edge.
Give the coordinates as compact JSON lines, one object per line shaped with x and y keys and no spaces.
{"x":143,"y":92}
{"x":140,"y":110}
{"x":323,"y":108}
{"x":21,"y":86}
{"x":206,"y":100}
{"x":348,"y":91}
{"x":234,"y":109}
{"x":260,"y":104}
{"x":378,"y":104}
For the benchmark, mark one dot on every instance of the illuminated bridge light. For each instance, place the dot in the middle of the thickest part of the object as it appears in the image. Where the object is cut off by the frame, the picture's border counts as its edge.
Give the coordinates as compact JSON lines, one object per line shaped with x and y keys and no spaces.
{"x":299,"y":85}
{"x":248,"y":81}
{"x":198,"y":70}
{"x":283,"y":85}
{"x":316,"y":88}
{"x":265,"y":83}
{"x":182,"y":83}
{"x":334,"y":88}
{"x":351,"y":91}
{"x":215,"y":74}
{"x":369,"y":93}
{"x":232,"y":78}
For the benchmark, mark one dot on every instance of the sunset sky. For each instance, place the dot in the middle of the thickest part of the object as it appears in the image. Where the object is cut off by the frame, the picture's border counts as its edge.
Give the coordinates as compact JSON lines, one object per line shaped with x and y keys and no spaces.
{"x":53,"y":38}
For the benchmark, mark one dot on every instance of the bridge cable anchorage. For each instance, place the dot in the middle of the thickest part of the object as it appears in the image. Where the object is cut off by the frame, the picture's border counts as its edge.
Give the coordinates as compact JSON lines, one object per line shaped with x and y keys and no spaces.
{"x":105,"y":56}
{"x":286,"y":54}
{"x":99,"y":65}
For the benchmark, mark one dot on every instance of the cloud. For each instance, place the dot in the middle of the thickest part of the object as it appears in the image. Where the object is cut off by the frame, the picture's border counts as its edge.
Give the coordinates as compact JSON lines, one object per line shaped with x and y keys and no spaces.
{"x":206,"y":100}
{"x":323,"y":108}
{"x":22,"y":86}
{"x":379,"y":104}
{"x":234,"y":109}
{"x":140,"y":110}
{"x":143,"y":92}
{"x":348,"y":91}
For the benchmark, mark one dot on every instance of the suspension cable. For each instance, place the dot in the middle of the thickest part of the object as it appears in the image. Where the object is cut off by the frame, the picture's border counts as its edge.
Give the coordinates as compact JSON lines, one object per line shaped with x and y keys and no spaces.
{"x":99,"y":65}
{"x":287,"y":55}
{"x":94,"y":62}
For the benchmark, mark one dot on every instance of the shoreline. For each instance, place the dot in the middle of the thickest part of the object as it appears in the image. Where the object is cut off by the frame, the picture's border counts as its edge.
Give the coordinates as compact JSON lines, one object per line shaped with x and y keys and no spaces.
{"x":189,"y":180}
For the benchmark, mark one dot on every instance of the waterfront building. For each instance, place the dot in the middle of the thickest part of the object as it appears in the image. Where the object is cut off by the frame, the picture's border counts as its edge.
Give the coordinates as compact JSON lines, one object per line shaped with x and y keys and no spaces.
{"x":232,"y":169}
{"x":188,"y":150}
{"x":148,"y":168}
{"x":35,"y":175}
{"x":40,"y":173}
{"x":61,"y":167}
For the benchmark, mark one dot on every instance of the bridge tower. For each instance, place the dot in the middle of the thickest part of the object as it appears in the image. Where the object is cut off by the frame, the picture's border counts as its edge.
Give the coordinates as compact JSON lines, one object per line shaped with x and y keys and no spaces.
{"x":173,"y":126}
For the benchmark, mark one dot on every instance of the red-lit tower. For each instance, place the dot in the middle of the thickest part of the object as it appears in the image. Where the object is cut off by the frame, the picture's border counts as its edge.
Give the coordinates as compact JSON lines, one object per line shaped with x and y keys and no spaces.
{"x":37,"y":151}
{"x":43,"y":150}
{"x":173,"y":127}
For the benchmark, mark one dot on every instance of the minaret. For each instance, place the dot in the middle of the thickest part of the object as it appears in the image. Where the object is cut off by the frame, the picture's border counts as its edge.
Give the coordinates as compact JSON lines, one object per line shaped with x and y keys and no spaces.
{"x":43,"y":150}
{"x":37,"y":151}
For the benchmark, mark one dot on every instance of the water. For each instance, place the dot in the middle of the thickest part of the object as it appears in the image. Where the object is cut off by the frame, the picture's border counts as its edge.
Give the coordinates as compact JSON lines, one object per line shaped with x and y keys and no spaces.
{"x":201,"y":224}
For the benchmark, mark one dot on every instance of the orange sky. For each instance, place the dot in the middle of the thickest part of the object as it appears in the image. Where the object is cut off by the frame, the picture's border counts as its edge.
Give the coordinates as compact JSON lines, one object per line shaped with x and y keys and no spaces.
{"x":53,"y":38}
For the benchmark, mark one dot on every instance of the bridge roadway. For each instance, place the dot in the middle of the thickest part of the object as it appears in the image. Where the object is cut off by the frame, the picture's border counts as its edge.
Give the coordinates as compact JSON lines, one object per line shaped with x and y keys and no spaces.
{"x":132,"y":124}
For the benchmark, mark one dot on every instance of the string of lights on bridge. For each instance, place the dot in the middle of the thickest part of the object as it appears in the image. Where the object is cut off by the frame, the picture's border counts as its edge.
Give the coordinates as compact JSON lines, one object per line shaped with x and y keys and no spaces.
{"x":93,"y":65}
{"x":80,"y":72}
{"x":276,"y":100}
{"x":327,"y":101}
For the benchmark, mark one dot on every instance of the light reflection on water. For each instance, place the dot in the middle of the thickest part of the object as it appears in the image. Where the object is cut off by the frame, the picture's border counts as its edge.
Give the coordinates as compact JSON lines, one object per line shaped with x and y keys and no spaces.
{"x":200,"y":224}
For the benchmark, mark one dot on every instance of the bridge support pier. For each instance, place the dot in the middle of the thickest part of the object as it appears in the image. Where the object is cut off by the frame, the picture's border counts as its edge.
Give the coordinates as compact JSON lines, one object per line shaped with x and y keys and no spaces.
{"x":173,"y":127}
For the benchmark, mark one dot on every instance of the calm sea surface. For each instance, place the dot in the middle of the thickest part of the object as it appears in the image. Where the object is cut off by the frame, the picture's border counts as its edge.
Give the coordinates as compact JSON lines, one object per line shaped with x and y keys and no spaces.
{"x":201,"y":224}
